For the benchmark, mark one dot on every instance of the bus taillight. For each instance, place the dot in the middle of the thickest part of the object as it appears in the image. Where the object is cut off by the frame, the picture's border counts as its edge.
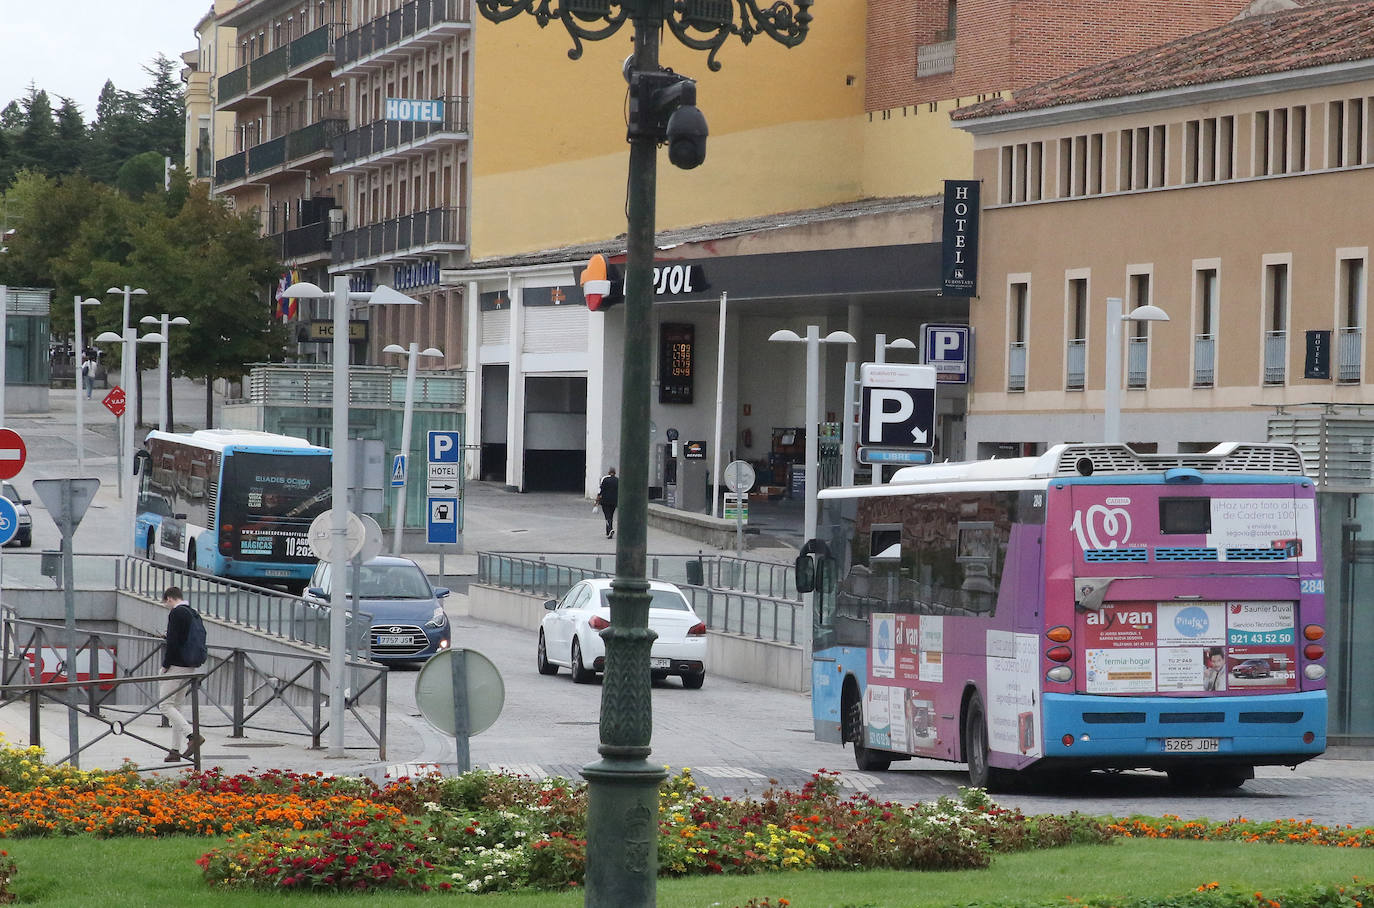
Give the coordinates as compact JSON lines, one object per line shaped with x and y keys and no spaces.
{"x":1314,"y":651}
{"x":1060,"y":634}
{"x":1067,"y":740}
{"x":1059,"y":654}
{"x":226,"y":538}
{"x":1060,"y":673}
{"x":1314,"y":632}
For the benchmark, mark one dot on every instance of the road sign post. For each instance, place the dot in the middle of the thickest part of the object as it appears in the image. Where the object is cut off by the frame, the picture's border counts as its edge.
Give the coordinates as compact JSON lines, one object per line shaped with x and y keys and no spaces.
{"x":13,"y":453}
{"x":896,"y":409}
{"x":444,"y":462}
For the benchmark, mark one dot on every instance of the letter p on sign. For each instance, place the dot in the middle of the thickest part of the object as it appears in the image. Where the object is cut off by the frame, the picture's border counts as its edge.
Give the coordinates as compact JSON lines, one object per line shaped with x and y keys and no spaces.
{"x":443,"y":447}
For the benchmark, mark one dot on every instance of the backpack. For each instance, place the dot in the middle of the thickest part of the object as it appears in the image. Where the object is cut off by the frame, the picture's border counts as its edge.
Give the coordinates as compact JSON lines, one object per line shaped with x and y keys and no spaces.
{"x":195,"y":649}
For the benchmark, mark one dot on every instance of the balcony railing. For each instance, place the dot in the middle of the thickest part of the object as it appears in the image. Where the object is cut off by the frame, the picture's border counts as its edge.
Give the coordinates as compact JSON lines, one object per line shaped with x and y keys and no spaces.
{"x":312,"y":45}
{"x":1016,"y":367}
{"x":382,"y":136}
{"x":1137,"y":362}
{"x":233,"y":84}
{"x":1349,"y":342}
{"x":310,"y":241}
{"x":232,"y":168}
{"x":1076,"y":364}
{"x":271,"y":153}
{"x":409,"y":233}
{"x":1204,"y":360}
{"x":934,"y":59}
{"x":271,"y":65}
{"x":1275,"y":357}
{"x":313,"y":138}
{"x":396,"y":26}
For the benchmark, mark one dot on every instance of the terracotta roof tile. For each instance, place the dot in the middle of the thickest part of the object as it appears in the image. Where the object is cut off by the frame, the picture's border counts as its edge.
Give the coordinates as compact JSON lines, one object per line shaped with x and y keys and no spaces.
{"x":1316,"y":35}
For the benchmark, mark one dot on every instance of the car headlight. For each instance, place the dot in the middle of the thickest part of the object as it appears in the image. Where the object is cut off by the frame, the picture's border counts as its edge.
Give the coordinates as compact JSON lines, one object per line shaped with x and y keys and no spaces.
{"x":438,"y":619}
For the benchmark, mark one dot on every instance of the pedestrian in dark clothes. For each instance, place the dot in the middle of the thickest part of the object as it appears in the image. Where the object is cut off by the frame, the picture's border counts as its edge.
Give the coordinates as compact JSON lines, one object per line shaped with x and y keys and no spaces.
{"x":607,"y":497}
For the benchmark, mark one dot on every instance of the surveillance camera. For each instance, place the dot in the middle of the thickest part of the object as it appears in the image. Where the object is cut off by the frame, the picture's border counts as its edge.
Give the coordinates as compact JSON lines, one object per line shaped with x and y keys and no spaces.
{"x":687,"y":137}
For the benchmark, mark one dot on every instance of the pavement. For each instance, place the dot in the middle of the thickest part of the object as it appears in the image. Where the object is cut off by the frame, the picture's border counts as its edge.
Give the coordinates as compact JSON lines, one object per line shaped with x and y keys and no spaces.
{"x":496,"y":519}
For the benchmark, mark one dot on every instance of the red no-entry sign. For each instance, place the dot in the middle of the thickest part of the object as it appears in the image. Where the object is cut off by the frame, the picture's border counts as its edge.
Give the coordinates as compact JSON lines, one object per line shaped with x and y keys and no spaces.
{"x":12,"y":453}
{"x":114,"y":401}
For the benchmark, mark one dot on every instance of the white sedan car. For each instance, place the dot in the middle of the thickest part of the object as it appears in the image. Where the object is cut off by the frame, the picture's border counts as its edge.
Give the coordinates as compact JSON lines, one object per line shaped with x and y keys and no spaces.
{"x":570,"y":634}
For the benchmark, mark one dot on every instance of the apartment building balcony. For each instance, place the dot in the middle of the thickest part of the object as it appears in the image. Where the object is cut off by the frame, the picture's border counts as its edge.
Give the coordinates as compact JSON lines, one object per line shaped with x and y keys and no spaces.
{"x":264,"y":160}
{"x":1349,"y":344}
{"x":435,"y":231}
{"x":384,"y":38}
{"x":381,"y":139}
{"x":1204,"y":361}
{"x":309,"y":56}
{"x":1275,"y":357}
{"x":1076,"y":364}
{"x":1137,"y":362}
{"x":1016,"y":366}
{"x":301,"y":245}
{"x":935,"y":59}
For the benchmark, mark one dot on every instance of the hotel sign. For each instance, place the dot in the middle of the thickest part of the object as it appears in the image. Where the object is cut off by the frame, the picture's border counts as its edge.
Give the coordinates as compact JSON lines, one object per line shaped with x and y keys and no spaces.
{"x":414,"y":111}
{"x":959,"y":261}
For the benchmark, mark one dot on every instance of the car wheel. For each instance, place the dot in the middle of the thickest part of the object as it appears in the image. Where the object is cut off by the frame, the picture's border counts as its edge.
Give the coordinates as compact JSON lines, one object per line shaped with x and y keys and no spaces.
{"x":26,"y":539}
{"x":542,"y":660}
{"x":866,"y":759}
{"x":694,"y":681}
{"x":580,"y":673}
{"x":976,"y":750}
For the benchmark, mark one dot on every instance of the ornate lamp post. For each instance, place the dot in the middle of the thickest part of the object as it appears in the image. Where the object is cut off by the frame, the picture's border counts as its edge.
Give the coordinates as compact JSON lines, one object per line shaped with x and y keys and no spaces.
{"x":622,"y":820}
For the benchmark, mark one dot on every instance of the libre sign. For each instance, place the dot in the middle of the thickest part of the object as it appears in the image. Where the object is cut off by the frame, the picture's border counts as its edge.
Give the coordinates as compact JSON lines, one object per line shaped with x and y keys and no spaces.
{"x":959,"y":261}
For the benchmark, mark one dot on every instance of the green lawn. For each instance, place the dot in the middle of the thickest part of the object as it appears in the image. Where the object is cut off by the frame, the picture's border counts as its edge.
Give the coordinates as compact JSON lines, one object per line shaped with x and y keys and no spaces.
{"x":134,"y":873}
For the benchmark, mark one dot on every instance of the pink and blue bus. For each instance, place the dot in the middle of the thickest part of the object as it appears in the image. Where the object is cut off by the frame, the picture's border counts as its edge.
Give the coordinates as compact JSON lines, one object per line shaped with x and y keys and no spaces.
{"x":1088,"y":608}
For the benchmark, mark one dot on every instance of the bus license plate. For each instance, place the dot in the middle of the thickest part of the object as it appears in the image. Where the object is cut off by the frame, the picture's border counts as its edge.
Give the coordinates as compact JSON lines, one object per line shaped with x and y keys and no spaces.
{"x":272,"y":573}
{"x":393,"y":639}
{"x":659,"y":663}
{"x":1191,"y":745}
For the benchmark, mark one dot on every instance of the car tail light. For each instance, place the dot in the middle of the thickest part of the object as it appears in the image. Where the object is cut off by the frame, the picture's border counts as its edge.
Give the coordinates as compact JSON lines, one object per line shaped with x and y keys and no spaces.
{"x":1314,"y":632}
{"x":1060,"y":634}
{"x":697,"y":630}
{"x":1314,"y":651}
{"x":598,"y":623}
{"x":1059,"y":654}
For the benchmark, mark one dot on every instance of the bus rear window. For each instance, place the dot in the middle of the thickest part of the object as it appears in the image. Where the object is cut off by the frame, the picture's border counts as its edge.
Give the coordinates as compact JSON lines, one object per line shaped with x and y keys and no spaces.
{"x":1192,"y":516}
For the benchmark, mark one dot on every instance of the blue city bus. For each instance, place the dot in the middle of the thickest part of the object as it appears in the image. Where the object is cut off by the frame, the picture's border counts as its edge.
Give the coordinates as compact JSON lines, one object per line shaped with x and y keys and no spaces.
{"x":234,"y":503}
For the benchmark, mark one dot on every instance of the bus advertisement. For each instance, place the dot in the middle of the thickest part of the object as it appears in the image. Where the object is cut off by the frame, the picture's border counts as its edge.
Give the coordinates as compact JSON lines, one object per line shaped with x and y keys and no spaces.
{"x":234,"y":503}
{"x":1088,"y":608}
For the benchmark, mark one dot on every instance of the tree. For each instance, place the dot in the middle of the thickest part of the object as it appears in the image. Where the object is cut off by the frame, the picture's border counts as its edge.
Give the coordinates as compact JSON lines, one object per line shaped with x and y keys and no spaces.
{"x":163,"y":111}
{"x":50,"y":215}
{"x":72,"y":139}
{"x":140,"y":175}
{"x":117,"y":134}
{"x":36,"y":144}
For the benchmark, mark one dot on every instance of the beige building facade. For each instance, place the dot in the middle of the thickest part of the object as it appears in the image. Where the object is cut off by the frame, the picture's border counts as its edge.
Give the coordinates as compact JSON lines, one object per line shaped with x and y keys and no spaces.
{"x":1239,"y":206}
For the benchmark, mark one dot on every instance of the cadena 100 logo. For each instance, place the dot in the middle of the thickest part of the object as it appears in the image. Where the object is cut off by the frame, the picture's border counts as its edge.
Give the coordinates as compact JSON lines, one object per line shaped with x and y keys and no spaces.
{"x":1101,"y":527}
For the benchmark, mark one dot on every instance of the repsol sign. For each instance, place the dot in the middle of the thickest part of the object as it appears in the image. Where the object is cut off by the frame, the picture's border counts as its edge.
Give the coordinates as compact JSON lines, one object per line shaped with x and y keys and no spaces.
{"x":678,"y":280}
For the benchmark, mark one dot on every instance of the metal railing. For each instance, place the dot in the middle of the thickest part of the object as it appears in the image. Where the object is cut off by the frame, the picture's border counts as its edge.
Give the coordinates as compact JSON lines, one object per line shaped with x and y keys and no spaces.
{"x":1076,"y":364}
{"x":246,"y":688}
{"x":398,"y":25}
{"x":732,"y":611}
{"x":1204,"y":360}
{"x":312,"y":384}
{"x":1348,"y":349}
{"x":409,"y":233}
{"x":381,"y":136}
{"x":264,"y":155}
{"x":233,"y":84}
{"x":1137,"y":362}
{"x":1275,"y":357}
{"x":1016,"y":366}
{"x":269,"y":66}
{"x":314,"y":138}
{"x":234,"y":167}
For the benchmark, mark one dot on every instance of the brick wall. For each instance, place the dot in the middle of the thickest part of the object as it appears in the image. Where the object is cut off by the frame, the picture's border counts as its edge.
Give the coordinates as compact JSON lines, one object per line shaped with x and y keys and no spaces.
{"x":1010,"y":44}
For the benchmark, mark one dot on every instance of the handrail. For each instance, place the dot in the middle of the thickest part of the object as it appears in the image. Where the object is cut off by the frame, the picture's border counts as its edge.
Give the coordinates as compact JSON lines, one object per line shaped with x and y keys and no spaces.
{"x":724,"y":610}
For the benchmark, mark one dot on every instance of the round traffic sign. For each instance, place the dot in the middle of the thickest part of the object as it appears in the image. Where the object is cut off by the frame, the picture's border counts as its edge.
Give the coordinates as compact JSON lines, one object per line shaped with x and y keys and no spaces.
{"x":372,"y":539}
{"x":321,"y":535}
{"x":739,"y":476}
{"x":12,"y":453}
{"x":486,"y":692}
{"x":9,"y":520}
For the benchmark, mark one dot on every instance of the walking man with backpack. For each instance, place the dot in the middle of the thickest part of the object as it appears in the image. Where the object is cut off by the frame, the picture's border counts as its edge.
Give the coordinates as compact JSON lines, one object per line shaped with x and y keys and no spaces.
{"x":183,"y":652}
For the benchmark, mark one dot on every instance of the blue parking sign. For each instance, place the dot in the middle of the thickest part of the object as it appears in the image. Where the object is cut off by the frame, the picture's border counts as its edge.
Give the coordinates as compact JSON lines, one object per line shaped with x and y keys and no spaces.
{"x":947,"y":348}
{"x":9,"y":520}
{"x":444,"y":447}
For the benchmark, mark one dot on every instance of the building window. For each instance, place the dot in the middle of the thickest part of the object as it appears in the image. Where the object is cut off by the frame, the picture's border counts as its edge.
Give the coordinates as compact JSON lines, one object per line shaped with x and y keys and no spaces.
{"x":1350,"y":338}
{"x":1141,"y":158}
{"x":1138,"y":344}
{"x":1345,"y":133}
{"x":1075,"y":354}
{"x":1021,"y":172}
{"x":1205,"y":341}
{"x":1019,"y":315}
{"x":1276,"y":323}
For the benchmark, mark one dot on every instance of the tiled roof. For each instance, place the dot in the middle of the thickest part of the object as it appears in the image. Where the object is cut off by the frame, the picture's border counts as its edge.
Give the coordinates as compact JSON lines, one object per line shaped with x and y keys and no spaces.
{"x":1320,"y":34}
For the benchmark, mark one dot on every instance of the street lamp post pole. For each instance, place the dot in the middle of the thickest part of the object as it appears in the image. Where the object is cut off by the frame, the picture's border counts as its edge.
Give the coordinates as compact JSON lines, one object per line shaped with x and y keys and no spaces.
{"x":80,"y":349}
{"x":164,"y":388}
{"x":339,"y":510}
{"x":813,"y":418}
{"x":412,"y":353}
{"x":1111,"y":420}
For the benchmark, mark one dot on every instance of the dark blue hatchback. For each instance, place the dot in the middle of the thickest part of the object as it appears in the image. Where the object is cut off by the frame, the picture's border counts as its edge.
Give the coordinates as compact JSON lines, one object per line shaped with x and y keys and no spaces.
{"x":408,"y":619}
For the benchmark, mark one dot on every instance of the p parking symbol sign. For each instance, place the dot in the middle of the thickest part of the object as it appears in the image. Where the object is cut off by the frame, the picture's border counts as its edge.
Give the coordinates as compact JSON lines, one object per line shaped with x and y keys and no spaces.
{"x":946,"y":347}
